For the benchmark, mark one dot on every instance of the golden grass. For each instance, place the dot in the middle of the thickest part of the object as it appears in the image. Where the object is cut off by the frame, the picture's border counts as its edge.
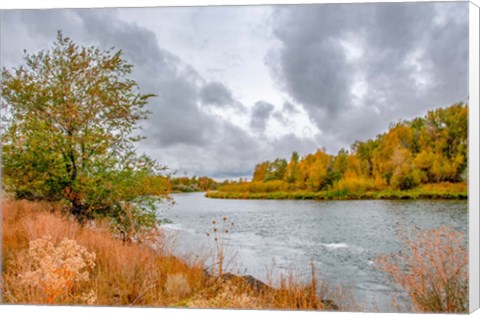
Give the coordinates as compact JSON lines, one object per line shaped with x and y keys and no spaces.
{"x":124,"y":274}
{"x":445,"y":187}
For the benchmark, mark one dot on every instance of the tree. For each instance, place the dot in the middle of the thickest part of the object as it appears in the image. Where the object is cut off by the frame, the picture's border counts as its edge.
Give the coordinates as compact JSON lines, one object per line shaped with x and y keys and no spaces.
{"x":69,"y":117}
{"x":365,"y":152}
{"x":292,"y":174}
{"x":260,"y":171}
{"x":276,"y":170}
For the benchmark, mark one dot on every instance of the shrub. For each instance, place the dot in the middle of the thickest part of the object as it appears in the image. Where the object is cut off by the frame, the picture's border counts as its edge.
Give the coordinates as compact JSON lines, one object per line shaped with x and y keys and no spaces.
{"x":354,"y":184}
{"x":56,"y":270}
{"x":433,"y":270}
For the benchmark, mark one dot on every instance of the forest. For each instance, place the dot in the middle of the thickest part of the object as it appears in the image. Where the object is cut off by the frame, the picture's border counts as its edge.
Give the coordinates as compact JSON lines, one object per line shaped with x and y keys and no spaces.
{"x":421,"y":158}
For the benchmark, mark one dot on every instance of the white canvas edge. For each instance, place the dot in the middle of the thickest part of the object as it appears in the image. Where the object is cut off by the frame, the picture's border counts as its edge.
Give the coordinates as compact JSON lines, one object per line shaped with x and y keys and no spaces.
{"x":473,"y":198}
{"x":28,"y":4}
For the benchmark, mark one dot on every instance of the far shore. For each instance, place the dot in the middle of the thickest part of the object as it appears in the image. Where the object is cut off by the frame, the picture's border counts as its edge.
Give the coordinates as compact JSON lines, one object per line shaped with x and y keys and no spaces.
{"x":425,"y":192}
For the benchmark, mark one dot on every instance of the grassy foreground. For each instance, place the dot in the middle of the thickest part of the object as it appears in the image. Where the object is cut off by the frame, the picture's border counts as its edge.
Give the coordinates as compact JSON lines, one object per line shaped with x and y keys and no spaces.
{"x":50,"y":259}
{"x":428,"y":191}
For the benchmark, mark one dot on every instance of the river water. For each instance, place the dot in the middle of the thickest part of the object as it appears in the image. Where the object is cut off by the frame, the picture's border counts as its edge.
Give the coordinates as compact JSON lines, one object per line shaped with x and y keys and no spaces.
{"x":341,"y":238}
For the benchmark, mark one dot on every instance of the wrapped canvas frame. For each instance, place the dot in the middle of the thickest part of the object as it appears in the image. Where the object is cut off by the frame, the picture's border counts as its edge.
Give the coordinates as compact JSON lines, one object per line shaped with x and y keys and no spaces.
{"x":474,"y":217}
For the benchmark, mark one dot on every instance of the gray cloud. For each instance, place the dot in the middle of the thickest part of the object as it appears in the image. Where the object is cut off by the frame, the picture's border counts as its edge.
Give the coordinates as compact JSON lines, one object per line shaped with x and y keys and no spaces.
{"x":216,"y":94}
{"x":410,"y":57}
{"x":289,"y":108}
{"x":261,"y":112}
{"x":179,"y":133}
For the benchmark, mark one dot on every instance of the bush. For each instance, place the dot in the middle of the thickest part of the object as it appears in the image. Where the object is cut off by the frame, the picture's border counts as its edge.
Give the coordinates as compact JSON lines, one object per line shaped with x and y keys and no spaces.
{"x":433,"y":271}
{"x":354,"y":184}
{"x":57,"y":269}
{"x":406,"y":181}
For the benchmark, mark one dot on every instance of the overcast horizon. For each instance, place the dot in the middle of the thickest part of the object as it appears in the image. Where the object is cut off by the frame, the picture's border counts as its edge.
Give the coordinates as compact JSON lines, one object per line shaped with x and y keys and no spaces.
{"x":243,"y":84}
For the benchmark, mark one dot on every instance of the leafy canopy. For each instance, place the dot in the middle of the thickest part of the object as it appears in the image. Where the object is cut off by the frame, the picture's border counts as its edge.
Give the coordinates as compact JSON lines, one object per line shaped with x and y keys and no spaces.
{"x":69,"y":117}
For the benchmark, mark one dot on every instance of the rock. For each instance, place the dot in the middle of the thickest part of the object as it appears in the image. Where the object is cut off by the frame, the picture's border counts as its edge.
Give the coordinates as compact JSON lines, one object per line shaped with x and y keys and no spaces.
{"x":330,"y":305}
{"x":255,"y":284}
{"x":258,"y":286}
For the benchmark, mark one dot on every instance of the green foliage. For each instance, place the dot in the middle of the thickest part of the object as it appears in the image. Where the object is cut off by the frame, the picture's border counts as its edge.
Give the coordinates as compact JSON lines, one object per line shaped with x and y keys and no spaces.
{"x":69,"y":117}
{"x":193,"y":184}
{"x":276,"y":170}
{"x":292,"y":173}
{"x":267,"y":171}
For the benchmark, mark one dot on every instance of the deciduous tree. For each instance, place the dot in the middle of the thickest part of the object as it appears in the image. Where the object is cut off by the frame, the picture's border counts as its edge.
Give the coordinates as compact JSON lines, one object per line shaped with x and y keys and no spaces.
{"x":69,"y":117}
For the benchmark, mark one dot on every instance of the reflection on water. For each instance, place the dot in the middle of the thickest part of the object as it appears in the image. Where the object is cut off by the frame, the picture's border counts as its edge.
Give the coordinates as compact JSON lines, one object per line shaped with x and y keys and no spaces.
{"x":342,"y":238}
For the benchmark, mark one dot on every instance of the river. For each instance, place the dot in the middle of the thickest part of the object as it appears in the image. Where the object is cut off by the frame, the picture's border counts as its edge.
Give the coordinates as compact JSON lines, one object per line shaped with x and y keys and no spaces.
{"x":341,"y":238}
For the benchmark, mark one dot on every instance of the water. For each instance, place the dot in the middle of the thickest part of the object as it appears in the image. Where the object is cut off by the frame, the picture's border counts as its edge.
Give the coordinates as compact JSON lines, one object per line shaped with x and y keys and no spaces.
{"x":342,"y":238}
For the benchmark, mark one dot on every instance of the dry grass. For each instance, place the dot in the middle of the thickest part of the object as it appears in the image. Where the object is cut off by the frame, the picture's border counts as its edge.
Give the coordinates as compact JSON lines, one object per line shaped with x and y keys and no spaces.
{"x":123,"y":274}
{"x":56,"y":270}
{"x":239,"y":292}
{"x":445,"y":187}
{"x":433,"y":270}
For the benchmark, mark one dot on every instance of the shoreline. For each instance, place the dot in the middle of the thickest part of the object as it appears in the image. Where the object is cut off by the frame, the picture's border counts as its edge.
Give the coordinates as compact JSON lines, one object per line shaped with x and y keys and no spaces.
{"x":335,"y":195}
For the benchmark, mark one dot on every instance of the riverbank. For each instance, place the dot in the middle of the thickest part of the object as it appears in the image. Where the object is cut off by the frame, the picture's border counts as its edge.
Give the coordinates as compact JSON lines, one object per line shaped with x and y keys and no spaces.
{"x":430,"y":191}
{"x":49,"y":259}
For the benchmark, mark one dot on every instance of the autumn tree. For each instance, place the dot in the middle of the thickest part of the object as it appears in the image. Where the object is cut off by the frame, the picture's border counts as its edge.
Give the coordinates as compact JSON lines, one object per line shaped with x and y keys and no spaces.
{"x":444,"y":143}
{"x":430,"y":149}
{"x":314,"y":170}
{"x":69,"y":116}
{"x":365,"y":151}
{"x":292,"y":174}
{"x":276,"y":170}
{"x":260,"y":171}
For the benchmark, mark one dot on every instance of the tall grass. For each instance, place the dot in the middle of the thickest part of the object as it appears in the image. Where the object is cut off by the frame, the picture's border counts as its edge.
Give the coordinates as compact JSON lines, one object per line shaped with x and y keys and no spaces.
{"x":219,"y":238}
{"x":123,"y":273}
{"x":433,"y":270}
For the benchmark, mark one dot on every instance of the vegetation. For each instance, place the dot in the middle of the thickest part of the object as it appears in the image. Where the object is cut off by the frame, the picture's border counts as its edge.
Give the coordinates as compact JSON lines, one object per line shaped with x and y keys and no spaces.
{"x":48,"y":259}
{"x":428,"y":191}
{"x":414,"y":159}
{"x":193,"y":184}
{"x":69,"y":115}
{"x":433,"y":271}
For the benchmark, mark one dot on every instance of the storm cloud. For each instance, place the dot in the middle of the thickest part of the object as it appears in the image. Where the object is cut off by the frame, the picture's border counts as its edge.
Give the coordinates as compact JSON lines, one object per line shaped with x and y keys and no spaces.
{"x":357,"y":67}
{"x":178,"y":132}
{"x":216,"y":94}
{"x":260,"y":114}
{"x":275,"y":79}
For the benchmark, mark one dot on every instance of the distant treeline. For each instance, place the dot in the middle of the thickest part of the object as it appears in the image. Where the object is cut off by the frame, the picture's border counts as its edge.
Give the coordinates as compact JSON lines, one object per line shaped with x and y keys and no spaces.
{"x":192,"y":184}
{"x":428,"y":150}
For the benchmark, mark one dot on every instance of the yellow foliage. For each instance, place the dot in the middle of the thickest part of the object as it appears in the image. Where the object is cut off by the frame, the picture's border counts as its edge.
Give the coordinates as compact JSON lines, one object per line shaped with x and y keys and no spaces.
{"x":354,"y":183}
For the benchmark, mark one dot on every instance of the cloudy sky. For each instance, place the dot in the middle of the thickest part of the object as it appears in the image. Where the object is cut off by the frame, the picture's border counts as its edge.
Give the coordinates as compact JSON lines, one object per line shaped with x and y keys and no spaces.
{"x":240,"y":85}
